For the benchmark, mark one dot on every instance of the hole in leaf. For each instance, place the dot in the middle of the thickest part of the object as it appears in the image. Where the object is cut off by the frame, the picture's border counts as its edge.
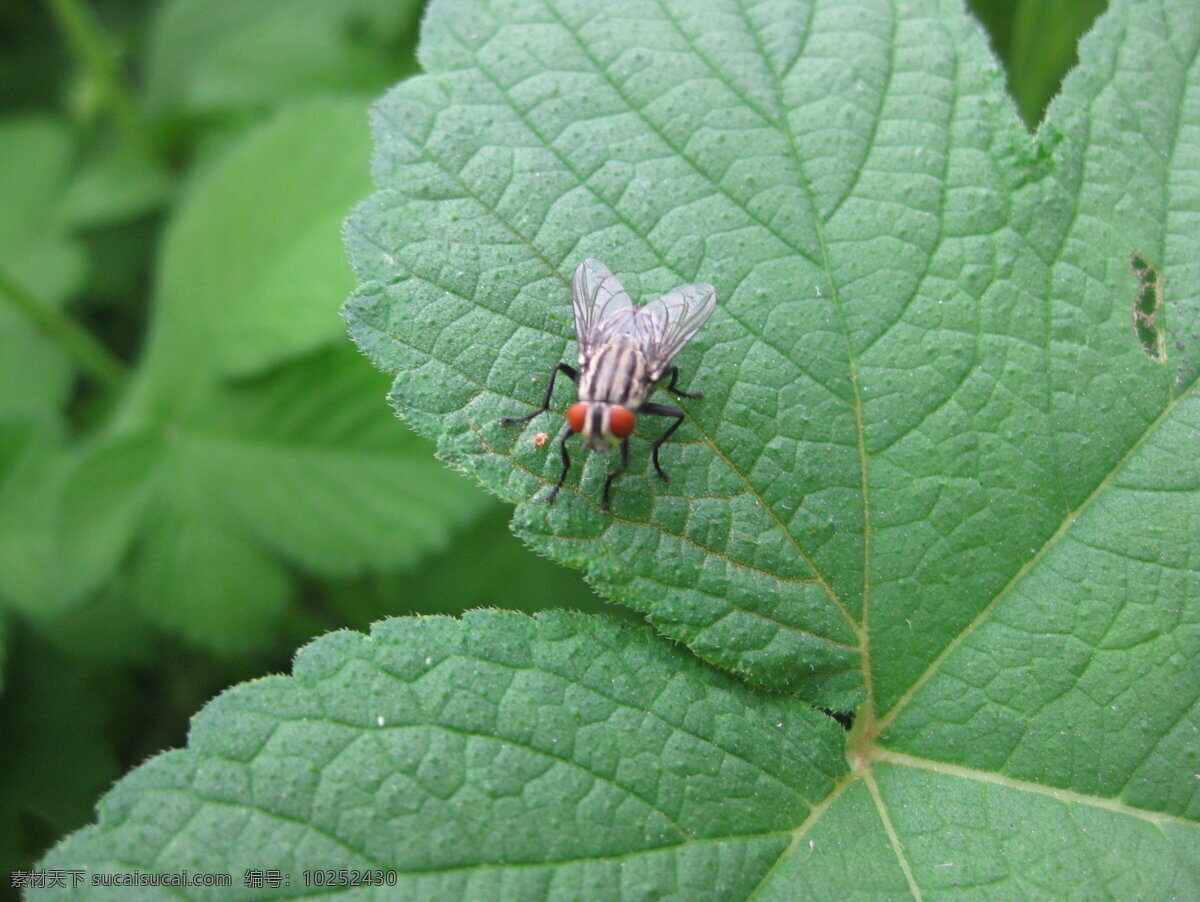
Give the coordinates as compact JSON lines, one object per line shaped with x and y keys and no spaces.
{"x":844,"y":718}
{"x":1148,"y":308}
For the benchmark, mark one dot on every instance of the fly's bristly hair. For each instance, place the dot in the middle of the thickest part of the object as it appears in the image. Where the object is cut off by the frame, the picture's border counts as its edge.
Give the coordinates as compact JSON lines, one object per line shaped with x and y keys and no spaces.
{"x":616,"y":374}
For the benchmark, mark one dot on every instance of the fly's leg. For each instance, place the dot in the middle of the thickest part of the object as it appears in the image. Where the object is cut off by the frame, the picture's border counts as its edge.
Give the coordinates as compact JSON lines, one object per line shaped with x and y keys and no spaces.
{"x":616,"y":472}
{"x":567,"y":433}
{"x":662,"y":410}
{"x":571,"y":372}
{"x":674,"y":371}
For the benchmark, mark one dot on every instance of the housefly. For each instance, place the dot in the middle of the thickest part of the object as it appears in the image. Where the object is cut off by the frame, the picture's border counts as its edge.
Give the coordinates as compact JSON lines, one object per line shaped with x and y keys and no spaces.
{"x":624,"y":351}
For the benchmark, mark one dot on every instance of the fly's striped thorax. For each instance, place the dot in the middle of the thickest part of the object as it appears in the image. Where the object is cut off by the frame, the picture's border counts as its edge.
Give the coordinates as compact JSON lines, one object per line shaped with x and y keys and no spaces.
{"x":616,"y":374}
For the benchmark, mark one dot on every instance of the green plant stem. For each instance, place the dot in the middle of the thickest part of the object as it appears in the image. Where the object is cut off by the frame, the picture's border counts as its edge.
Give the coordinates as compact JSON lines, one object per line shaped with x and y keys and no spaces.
{"x":96,"y":52}
{"x":93,"y":357}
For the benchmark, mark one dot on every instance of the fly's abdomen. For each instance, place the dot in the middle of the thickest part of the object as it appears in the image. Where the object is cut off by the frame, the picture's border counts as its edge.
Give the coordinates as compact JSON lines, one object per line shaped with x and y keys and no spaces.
{"x":616,"y":374}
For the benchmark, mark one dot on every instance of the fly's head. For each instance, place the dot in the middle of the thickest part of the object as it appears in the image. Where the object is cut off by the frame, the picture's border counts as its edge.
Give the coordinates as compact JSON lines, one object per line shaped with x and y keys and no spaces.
{"x":601,"y":426}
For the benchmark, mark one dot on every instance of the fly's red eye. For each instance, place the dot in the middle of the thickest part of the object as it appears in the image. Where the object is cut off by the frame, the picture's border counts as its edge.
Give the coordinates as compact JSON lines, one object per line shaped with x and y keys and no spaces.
{"x":577,"y":415}
{"x":621,"y":422}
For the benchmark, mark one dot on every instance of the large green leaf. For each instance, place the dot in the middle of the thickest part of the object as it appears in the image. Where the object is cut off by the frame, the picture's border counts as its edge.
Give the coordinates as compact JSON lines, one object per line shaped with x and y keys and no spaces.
{"x":579,"y":751}
{"x":922,"y":367}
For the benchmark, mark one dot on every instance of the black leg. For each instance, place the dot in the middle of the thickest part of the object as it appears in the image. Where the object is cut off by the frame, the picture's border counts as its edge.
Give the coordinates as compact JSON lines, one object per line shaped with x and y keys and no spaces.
{"x":674,"y":371}
{"x":567,"y":433}
{"x":615,"y":473}
{"x":662,"y":410}
{"x":569,"y":370}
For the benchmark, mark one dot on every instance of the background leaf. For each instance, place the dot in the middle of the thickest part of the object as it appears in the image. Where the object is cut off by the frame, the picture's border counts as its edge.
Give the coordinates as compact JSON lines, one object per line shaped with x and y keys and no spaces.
{"x":264,"y":468}
{"x":55,"y":756}
{"x":1038,"y":38}
{"x":502,"y":574}
{"x":116,"y":183}
{"x":203,"y":483}
{"x":207,"y":58}
{"x":241,"y":287}
{"x":32,"y":469}
{"x":35,"y":154}
{"x":36,"y":257}
{"x":305,"y":461}
{"x":40,"y":264}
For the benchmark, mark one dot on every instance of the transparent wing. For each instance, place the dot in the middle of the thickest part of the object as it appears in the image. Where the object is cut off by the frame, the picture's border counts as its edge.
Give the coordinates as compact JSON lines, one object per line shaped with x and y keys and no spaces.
{"x":597,"y":296}
{"x":665,"y":325}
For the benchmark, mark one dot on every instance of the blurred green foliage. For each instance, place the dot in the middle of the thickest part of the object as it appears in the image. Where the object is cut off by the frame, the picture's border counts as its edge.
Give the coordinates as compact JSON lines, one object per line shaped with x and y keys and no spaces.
{"x":197,"y":472}
{"x":1036,"y":40}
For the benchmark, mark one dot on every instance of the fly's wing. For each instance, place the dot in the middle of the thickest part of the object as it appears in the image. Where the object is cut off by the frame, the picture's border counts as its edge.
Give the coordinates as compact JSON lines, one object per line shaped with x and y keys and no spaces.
{"x":596,"y":296}
{"x":665,"y":325}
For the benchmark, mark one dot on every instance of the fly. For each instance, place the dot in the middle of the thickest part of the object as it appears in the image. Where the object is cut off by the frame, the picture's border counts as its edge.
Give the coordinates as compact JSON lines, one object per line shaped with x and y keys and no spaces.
{"x":624,"y":351}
